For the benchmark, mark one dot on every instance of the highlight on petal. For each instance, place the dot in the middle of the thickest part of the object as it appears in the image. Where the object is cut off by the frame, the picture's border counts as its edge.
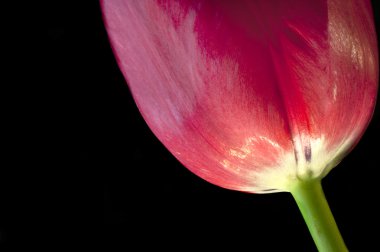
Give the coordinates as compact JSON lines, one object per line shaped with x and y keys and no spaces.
{"x":249,"y":95}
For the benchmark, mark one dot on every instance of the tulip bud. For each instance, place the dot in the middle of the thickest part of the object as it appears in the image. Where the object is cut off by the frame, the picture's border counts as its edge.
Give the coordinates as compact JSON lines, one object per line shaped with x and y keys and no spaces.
{"x":256,"y":96}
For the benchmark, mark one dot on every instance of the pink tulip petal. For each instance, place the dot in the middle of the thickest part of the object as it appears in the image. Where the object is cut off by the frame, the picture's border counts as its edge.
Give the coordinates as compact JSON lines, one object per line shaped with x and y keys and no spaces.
{"x":249,"y":95}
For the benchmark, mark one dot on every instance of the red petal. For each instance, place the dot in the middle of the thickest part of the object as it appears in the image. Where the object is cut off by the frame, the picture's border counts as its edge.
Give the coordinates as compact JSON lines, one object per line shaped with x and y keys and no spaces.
{"x":234,"y":88}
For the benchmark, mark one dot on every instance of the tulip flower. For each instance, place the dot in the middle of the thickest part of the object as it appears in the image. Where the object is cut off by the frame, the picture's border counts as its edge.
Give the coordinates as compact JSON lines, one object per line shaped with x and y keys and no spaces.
{"x":256,"y":96}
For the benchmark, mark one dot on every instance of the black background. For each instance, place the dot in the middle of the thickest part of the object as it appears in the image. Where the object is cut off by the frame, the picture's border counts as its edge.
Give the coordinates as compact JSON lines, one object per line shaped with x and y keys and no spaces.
{"x":83,"y":170}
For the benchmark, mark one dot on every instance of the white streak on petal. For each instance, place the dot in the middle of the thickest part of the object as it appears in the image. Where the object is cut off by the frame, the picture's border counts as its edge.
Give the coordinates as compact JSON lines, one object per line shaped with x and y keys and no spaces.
{"x":282,"y":176}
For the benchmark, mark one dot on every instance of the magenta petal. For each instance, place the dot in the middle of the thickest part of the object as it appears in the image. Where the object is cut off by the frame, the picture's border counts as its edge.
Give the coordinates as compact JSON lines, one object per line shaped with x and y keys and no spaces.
{"x":249,"y":95}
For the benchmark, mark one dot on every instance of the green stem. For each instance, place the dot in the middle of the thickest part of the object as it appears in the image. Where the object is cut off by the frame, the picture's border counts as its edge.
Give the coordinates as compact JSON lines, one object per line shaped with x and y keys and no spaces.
{"x":317,"y":214}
